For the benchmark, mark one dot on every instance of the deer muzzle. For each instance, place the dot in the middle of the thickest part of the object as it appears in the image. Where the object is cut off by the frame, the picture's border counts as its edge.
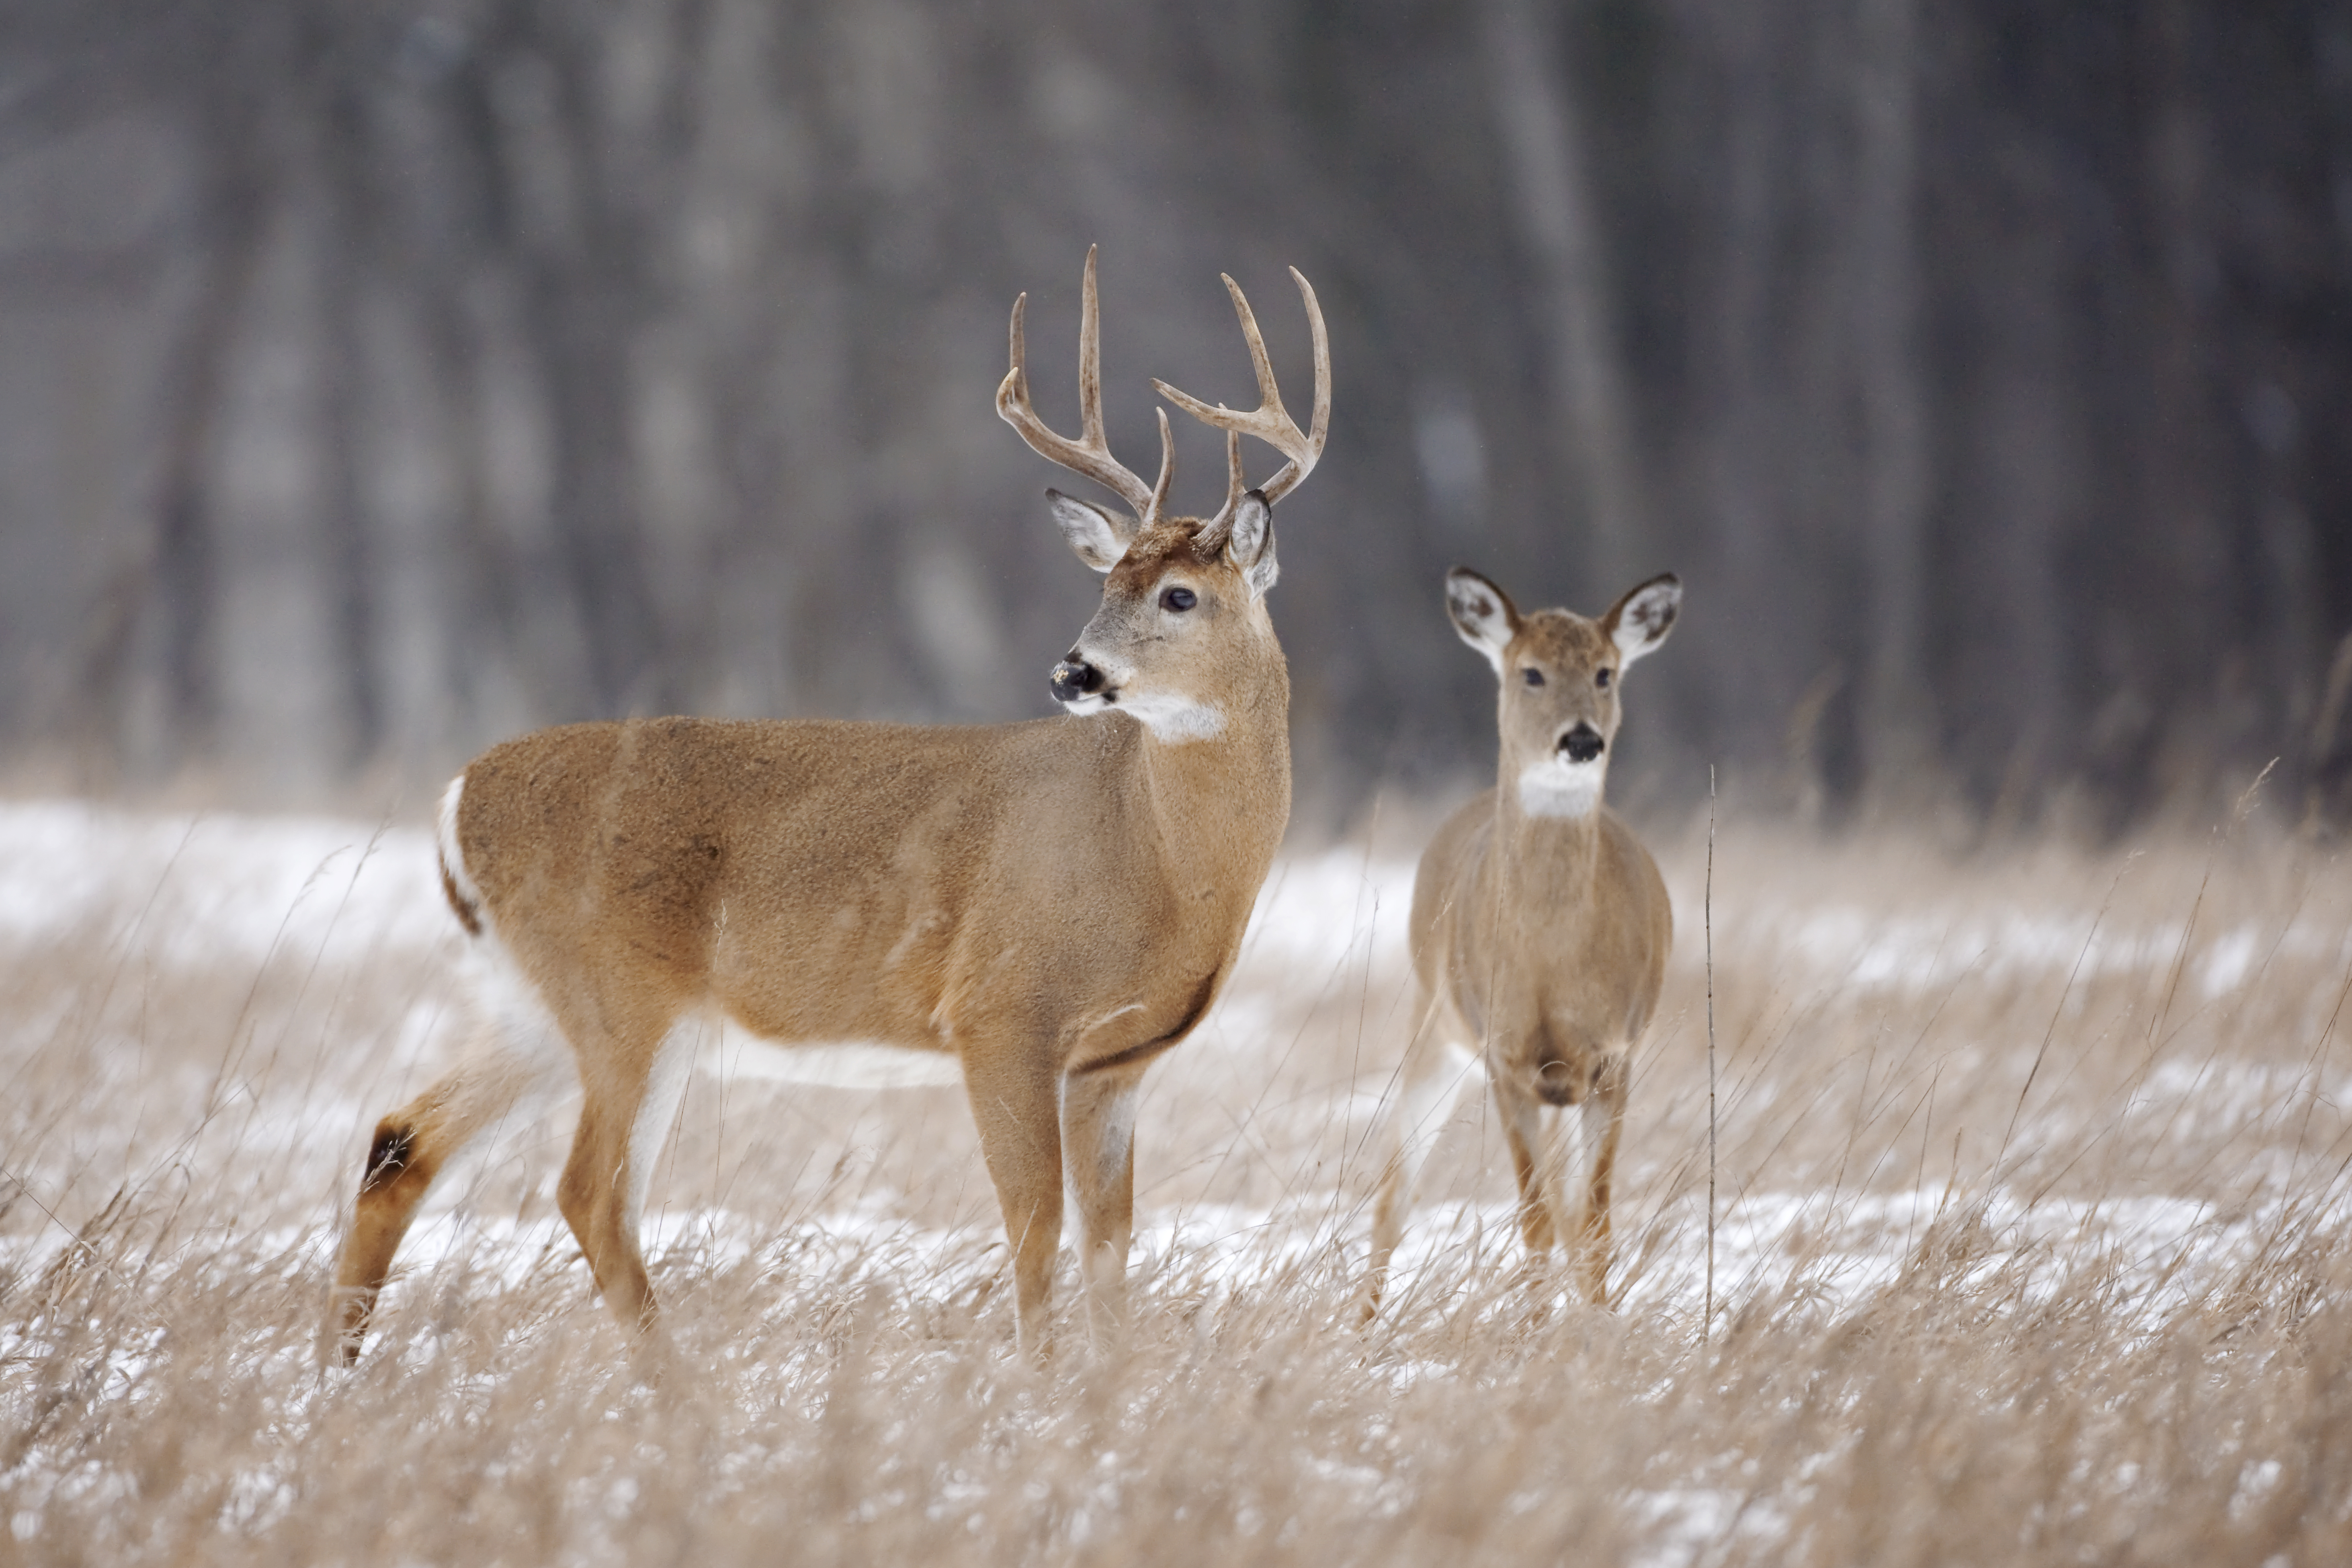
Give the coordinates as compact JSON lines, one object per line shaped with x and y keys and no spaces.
{"x":1074,"y":677}
{"x":1582,"y":743}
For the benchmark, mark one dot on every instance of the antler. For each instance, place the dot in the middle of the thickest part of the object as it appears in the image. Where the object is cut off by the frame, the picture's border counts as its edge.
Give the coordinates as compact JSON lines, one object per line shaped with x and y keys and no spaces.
{"x":1089,"y":455}
{"x":1269,"y":422}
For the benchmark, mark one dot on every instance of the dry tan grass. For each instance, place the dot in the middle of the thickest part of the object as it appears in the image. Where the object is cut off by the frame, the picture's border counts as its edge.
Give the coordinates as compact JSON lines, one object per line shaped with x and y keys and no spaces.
{"x":2033,"y":1169}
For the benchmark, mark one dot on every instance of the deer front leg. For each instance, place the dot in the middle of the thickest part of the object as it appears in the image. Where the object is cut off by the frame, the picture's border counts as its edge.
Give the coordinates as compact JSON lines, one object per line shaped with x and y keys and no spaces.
{"x":1602,"y":1120}
{"x":1098,"y":1152}
{"x":1523,"y":1130}
{"x":1014,"y":1105}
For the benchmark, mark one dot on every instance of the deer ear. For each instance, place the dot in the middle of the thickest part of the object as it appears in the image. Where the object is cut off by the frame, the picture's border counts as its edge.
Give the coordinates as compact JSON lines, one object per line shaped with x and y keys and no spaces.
{"x":1090,"y":530}
{"x":1249,"y":542}
{"x":1483,"y":614}
{"x":1639,"y":621}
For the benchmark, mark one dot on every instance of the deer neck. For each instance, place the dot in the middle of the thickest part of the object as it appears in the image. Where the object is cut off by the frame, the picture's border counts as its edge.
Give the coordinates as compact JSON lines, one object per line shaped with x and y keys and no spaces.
{"x":1544,"y":853}
{"x":1219,"y":804}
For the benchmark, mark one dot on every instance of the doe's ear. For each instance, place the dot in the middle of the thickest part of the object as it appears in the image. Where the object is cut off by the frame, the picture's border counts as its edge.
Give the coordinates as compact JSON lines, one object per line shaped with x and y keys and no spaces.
{"x":1483,"y":614}
{"x":1249,"y":542}
{"x":1639,"y":621}
{"x":1090,"y":530}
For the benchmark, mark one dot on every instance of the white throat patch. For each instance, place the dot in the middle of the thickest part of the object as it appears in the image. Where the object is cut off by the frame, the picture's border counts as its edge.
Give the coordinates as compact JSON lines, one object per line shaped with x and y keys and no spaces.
{"x":1173,"y":720}
{"x":1557,"y":787}
{"x":1173,"y":717}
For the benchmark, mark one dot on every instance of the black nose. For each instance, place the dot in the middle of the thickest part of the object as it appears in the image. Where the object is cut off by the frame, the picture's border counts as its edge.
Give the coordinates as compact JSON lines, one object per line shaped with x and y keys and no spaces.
{"x":1582,"y":743}
{"x":1557,"y":1082}
{"x":1074,"y":677}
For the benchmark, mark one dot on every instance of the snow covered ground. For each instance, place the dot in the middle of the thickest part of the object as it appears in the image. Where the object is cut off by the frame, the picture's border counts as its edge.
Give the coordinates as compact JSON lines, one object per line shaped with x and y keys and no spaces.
{"x":310,"y":902}
{"x":2041,"y":1080}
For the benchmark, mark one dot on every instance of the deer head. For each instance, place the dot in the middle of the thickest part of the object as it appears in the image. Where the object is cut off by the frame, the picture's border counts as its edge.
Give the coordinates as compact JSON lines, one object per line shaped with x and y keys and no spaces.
{"x":1183,"y":622}
{"x":1560,"y":673}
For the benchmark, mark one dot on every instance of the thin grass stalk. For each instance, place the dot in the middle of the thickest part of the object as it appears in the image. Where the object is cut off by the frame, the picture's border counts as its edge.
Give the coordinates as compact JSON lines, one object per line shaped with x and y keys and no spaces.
{"x":1706,"y":1318}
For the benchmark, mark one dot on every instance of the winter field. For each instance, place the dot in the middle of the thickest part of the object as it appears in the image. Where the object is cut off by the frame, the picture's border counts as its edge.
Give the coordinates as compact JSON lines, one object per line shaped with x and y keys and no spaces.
{"x":2032,"y":1165}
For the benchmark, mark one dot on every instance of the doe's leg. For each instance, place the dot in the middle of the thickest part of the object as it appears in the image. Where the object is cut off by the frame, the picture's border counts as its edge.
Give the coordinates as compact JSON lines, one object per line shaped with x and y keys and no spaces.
{"x":1523,"y":1133}
{"x":1603,"y":1116}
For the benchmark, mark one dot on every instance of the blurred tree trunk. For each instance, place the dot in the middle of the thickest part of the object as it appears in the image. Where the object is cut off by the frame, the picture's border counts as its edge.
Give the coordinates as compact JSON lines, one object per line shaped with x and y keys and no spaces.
{"x":1544,"y":155}
{"x":2188,"y":565}
{"x":177,"y":582}
{"x":1750,"y":684}
{"x":346,"y":239}
{"x":455,"y":218}
{"x":481,"y":602}
{"x":1898,"y":720}
{"x":583,"y":300}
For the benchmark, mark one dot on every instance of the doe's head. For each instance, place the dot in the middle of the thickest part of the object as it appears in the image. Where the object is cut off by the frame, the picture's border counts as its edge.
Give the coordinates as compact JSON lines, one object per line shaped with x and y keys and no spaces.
{"x":1560,"y":678}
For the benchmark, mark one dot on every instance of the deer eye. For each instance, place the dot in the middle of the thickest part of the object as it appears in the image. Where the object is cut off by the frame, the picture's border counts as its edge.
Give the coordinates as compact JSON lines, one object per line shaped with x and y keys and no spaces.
{"x":1532,"y":676}
{"x":1601,"y":678}
{"x":1178,"y":599}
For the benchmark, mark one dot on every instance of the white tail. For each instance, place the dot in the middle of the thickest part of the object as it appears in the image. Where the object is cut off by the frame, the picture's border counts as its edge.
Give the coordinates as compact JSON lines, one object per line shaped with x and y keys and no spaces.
{"x":1039,"y":909}
{"x":1539,"y":928}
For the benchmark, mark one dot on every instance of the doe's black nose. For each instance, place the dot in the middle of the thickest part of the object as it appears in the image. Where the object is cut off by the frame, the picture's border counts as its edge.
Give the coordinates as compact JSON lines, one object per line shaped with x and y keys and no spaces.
{"x":1074,"y":677}
{"x":1582,"y":743}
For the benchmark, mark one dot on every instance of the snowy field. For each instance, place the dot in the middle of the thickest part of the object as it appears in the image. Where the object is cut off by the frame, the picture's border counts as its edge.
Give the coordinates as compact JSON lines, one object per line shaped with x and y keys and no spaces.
{"x":2031,"y":1179}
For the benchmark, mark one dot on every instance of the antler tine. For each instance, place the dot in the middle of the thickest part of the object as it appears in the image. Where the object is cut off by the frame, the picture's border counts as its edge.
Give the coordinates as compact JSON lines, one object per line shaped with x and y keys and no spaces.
{"x":1236,"y":484}
{"x":1269,"y":422}
{"x":1319,"y":426}
{"x":1167,"y":470}
{"x":1090,"y":421}
{"x":1212,"y":536}
{"x":1089,"y":456}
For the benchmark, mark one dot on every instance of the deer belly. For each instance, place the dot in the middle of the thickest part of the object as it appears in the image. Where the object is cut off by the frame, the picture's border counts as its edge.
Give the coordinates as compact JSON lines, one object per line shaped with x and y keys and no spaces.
{"x":828,"y":1064}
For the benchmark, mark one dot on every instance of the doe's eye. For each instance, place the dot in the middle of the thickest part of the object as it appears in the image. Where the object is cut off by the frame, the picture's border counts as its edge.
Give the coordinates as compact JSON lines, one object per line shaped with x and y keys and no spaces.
{"x":1601,"y":677}
{"x":1178,"y":599}
{"x":1532,"y":676}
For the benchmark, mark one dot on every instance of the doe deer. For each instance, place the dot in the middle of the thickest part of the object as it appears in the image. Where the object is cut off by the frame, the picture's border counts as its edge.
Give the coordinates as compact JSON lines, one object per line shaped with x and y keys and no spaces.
{"x":1540,"y":929}
{"x":1036,"y":909}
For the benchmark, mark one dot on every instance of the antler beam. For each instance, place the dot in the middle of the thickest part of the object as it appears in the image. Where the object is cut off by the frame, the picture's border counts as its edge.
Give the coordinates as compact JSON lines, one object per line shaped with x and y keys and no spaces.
{"x":1269,"y":422}
{"x":1089,"y":456}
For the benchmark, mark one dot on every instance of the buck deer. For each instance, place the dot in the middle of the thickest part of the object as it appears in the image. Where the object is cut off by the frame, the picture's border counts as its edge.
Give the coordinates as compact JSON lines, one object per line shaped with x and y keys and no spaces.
{"x":1539,"y":928}
{"x":1038,"y":910}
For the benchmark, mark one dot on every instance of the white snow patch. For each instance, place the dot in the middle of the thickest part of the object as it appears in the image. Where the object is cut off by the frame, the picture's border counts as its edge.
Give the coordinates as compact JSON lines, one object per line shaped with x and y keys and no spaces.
{"x":1316,"y":912}
{"x":201,"y":891}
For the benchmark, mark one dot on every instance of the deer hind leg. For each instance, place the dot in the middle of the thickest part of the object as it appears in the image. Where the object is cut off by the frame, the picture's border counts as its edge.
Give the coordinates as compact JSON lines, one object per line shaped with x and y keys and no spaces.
{"x":1098,"y":1157}
{"x":631,"y":1096}
{"x":411,"y":1147}
{"x":1016,"y":1109}
{"x":1428,"y":1084}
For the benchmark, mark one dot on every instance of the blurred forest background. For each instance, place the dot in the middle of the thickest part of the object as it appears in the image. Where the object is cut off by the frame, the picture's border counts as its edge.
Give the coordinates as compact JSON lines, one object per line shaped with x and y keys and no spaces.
{"x":378,"y":378}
